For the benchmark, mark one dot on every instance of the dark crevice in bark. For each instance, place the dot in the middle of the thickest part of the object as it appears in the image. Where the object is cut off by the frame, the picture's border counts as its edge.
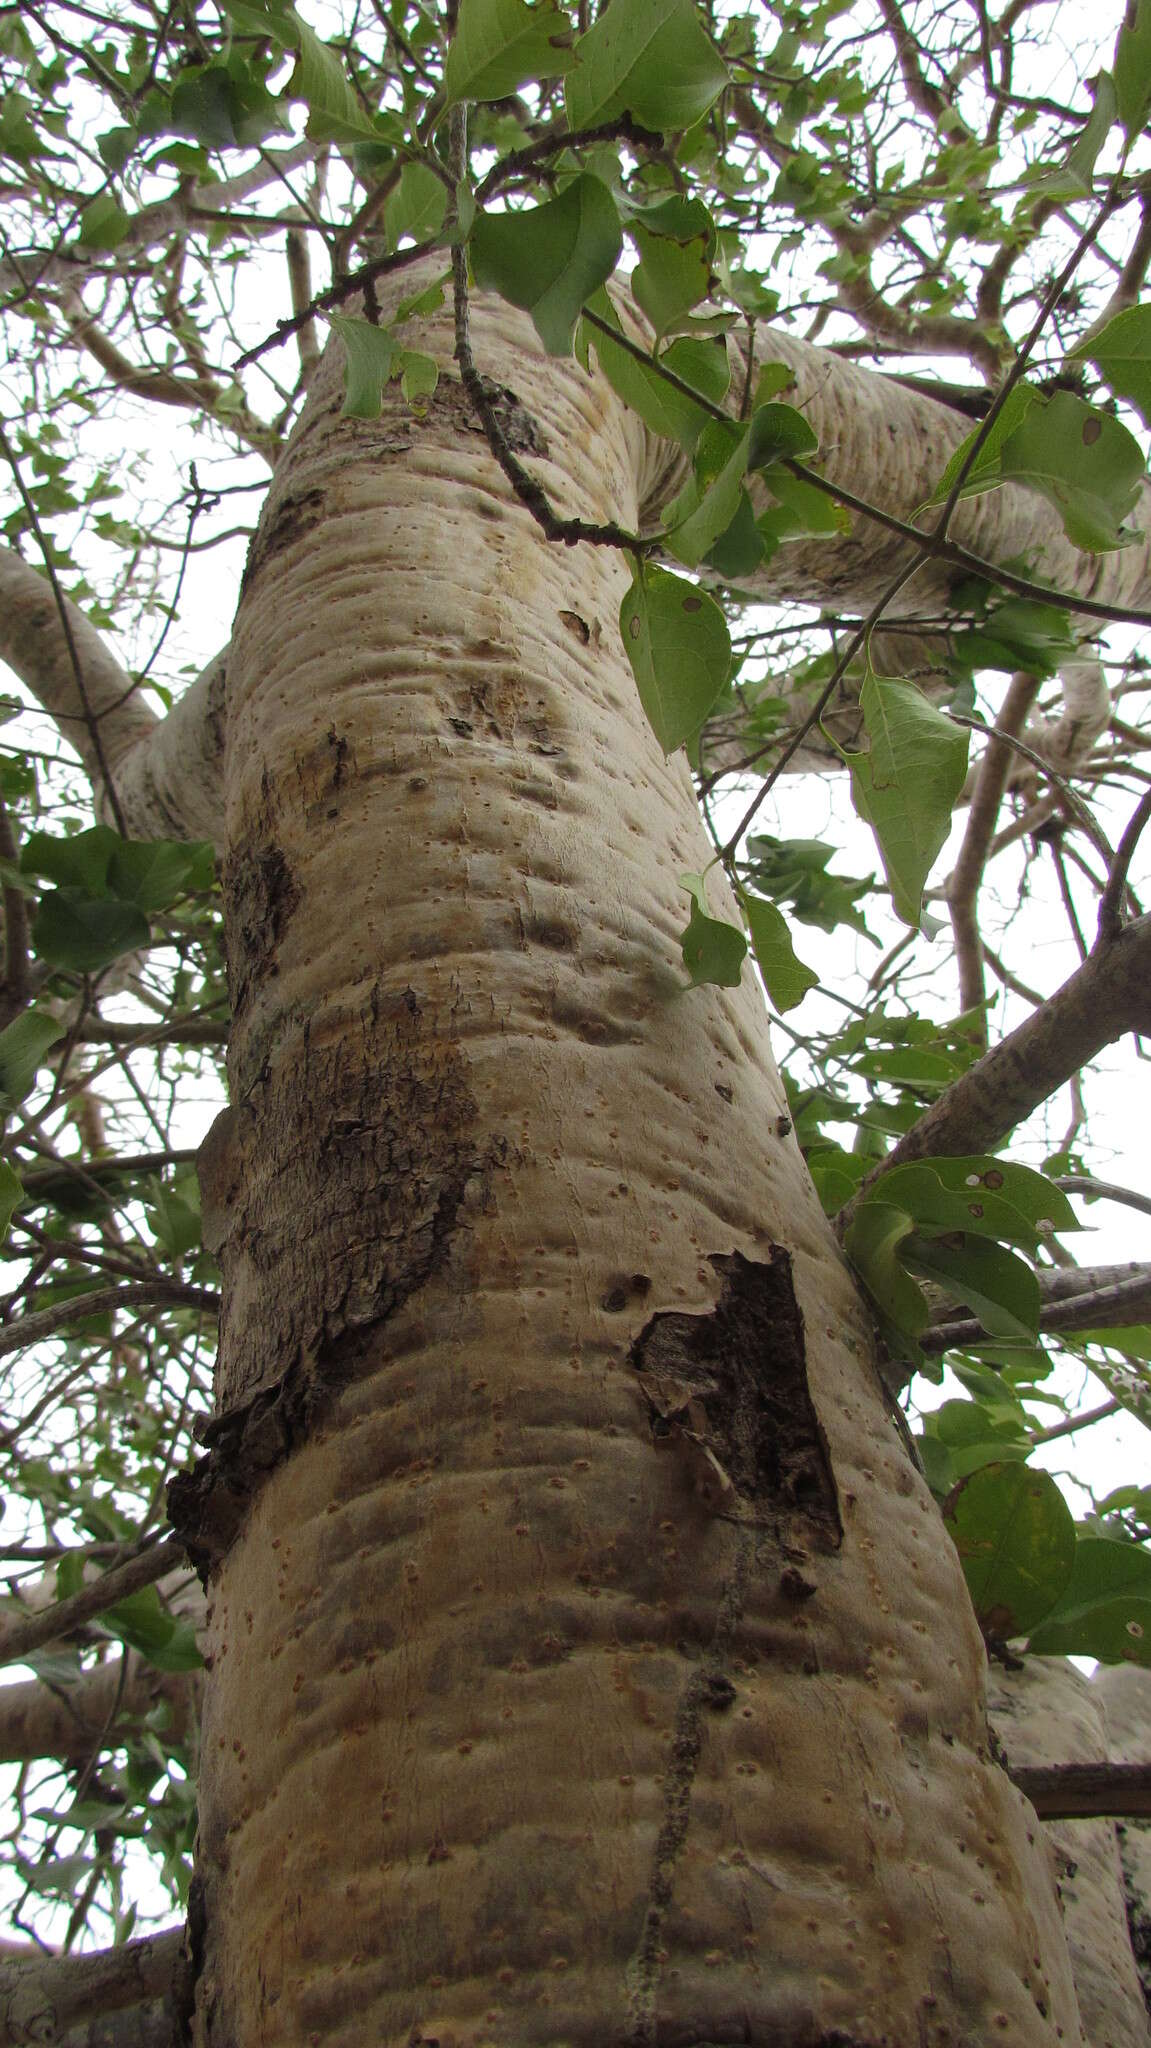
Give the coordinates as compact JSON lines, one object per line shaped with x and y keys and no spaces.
{"x":728,"y":1391}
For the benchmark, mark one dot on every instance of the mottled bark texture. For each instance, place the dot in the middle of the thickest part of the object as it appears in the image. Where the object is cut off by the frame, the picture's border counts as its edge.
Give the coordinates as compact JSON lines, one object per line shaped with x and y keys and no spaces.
{"x":587,"y":1663}
{"x":1126,"y":1696}
{"x":1046,"y":1713}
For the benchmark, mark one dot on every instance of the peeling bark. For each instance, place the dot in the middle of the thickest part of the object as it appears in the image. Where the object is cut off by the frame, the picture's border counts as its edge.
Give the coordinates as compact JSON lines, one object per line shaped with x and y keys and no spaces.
{"x":512,"y":1732}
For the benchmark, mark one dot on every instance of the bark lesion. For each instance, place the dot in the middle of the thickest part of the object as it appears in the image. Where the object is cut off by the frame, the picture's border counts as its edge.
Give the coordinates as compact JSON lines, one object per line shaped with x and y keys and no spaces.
{"x":730,"y":1392}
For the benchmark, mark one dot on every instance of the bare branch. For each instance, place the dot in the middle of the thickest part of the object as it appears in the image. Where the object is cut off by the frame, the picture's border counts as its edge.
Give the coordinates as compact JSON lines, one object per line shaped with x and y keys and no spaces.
{"x":1106,"y":997}
{"x":967,"y":874}
{"x":19,"y":1638}
{"x":41,"y":1999}
{"x":1086,"y":1791}
{"x":45,"y":1322}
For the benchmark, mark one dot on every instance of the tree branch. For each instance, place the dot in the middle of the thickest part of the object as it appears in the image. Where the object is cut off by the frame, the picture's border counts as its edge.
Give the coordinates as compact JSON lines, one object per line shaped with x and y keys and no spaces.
{"x":19,"y":1638}
{"x":45,"y":1322}
{"x":967,"y":874}
{"x":1128,"y":1302}
{"x":42,"y":1998}
{"x":1109,"y":995}
{"x":1086,"y":1791}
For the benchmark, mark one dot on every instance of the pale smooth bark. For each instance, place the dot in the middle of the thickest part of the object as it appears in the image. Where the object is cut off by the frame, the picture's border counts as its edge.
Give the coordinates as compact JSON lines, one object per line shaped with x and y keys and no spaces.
{"x":1046,"y":1713}
{"x":1125,"y":1692}
{"x":74,"y":1721}
{"x":878,"y":438}
{"x":587,"y":1662}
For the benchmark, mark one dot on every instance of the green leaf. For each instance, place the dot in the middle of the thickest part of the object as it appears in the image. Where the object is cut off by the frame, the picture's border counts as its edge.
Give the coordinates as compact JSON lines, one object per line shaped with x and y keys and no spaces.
{"x":984,"y":1196}
{"x":1133,"y":67}
{"x":79,"y":862}
{"x":1082,"y":461}
{"x":985,"y":472}
{"x":668,"y":412}
{"x":740,"y":548}
{"x":369,"y":358}
{"x":675,"y":243}
{"x":995,"y":1284}
{"x":785,"y":976}
{"x":907,"y":784}
{"x":713,"y":950}
{"x":650,"y":58}
{"x":872,"y":1241}
{"x":500,"y":44}
{"x":144,"y":1624}
{"x":778,"y":431}
{"x":801,"y":512}
{"x":155,"y":873}
{"x":84,"y":933}
{"x":1079,"y":171}
{"x":417,"y":207}
{"x":1122,"y":356}
{"x":551,"y":258}
{"x":1105,"y":1608}
{"x":320,"y":80}
{"x":271,"y":18}
{"x":103,"y":223}
{"x":11,"y":1195}
{"x":23,"y":1044}
{"x":710,"y":500}
{"x":705,"y":365}
{"x":1016,"y":1541}
{"x":677,"y":642}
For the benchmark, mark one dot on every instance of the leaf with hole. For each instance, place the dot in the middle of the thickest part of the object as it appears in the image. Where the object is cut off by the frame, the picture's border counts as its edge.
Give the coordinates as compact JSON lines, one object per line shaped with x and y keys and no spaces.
{"x":1016,"y":1542}
{"x":677,"y":642}
{"x":1122,"y":356}
{"x":907,"y":784}
{"x":1105,"y":1608}
{"x":550,"y":259}
{"x":650,"y":58}
{"x":500,"y":45}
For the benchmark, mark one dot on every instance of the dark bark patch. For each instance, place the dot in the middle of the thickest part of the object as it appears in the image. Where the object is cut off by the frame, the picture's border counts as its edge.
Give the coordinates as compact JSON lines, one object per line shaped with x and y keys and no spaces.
{"x":294,"y":516}
{"x":331,"y":1196}
{"x":260,"y":894}
{"x":729,"y":1390}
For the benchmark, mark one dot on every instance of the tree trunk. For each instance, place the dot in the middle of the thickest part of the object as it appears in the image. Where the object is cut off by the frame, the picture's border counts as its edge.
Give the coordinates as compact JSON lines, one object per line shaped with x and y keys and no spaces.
{"x":588,"y":1664}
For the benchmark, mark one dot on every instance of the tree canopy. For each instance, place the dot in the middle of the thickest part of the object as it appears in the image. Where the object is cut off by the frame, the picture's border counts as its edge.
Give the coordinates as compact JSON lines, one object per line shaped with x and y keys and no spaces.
{"x":872,"y":274}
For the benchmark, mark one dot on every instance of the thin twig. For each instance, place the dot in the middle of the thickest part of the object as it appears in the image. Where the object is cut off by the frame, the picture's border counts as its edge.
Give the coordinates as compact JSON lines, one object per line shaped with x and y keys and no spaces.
{"x":967,"y":874}
{"x":1109,"y":903}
